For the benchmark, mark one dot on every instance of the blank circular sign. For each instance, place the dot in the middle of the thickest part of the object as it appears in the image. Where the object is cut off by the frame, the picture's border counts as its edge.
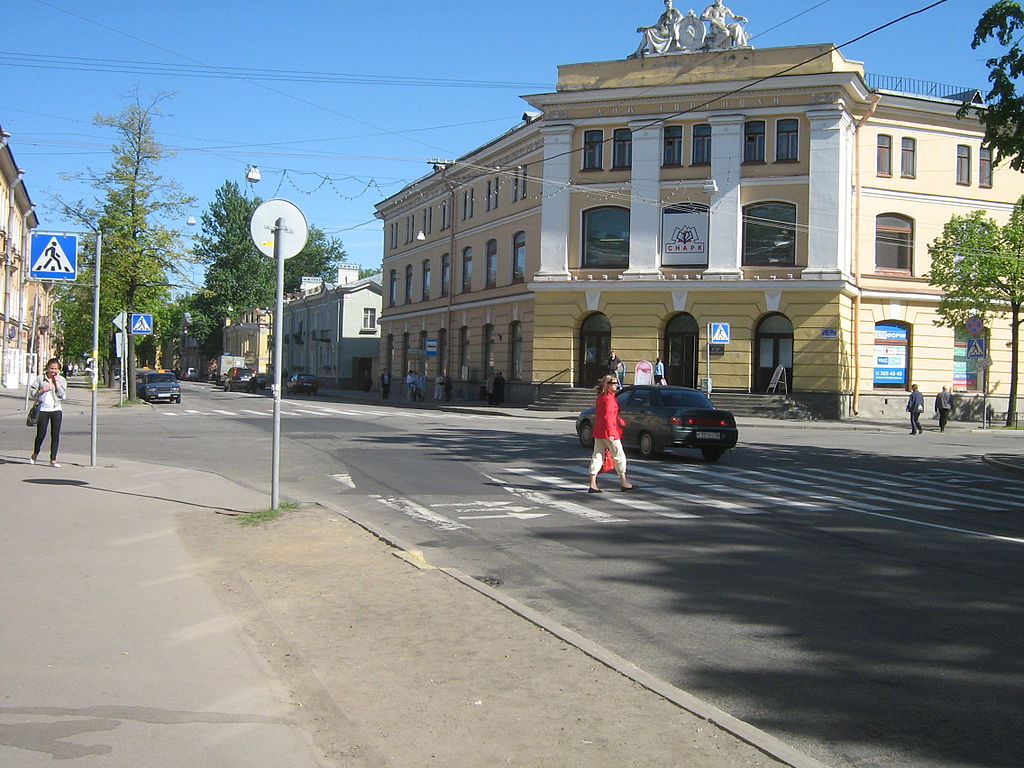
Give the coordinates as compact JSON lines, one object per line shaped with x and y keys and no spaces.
{"x":293,"y":233}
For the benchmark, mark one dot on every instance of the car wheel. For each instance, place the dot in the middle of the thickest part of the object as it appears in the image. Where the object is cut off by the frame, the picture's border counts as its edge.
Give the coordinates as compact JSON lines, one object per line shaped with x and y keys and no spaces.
{"x":586,"y":435}
{"x":712,"y":454}
{"x":645,"y":444}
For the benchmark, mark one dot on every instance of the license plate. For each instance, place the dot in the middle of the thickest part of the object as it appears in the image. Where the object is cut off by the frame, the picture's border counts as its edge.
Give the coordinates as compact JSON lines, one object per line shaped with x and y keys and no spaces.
{"x":708,"y":436}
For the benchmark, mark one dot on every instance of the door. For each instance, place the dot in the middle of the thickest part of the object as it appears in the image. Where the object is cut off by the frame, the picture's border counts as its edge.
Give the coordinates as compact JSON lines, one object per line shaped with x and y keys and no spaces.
{"x":594,"y":350}
{"x":681,"y":336}
{"x":774,"y":347}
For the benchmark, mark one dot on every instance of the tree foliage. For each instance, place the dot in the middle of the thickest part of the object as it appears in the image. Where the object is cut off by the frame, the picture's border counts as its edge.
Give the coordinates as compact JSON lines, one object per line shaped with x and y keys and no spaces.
{"x":979,"y":265}
{"x":1003,"y":116}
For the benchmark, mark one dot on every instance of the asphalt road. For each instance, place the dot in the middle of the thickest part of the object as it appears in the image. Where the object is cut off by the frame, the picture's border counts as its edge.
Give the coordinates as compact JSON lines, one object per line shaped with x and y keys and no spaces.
{"x":857,"y":594}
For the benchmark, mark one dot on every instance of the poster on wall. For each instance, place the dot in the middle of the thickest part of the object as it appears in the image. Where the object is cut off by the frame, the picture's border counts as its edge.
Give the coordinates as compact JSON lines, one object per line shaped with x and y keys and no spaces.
{"x":684,"y":236}
{"x":891,"y":355}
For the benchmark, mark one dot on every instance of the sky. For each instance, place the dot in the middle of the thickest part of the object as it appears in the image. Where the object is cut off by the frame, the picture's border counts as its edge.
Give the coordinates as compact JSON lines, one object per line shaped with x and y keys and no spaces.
{"x":340,"y":104}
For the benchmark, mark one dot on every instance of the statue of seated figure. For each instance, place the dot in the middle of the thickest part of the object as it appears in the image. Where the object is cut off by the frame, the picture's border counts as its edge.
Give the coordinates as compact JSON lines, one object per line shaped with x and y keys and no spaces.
{"x":663,"y":37}
{"x":724,"y":34}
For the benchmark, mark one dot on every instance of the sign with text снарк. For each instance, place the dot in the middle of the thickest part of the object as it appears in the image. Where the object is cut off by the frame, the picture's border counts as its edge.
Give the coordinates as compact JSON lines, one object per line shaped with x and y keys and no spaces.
{"x":53,"y":256}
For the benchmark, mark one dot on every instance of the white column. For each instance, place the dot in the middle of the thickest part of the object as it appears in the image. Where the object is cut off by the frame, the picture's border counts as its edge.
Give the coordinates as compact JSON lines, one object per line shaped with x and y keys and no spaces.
{"x":554,"y":212}
{"x":725,"y":230}
{"x":828,"y":235}
{"x":645,"y":203}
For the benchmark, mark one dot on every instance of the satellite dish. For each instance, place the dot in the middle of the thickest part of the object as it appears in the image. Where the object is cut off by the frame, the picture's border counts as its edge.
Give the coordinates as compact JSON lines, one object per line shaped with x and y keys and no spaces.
{"x":293,"y":234}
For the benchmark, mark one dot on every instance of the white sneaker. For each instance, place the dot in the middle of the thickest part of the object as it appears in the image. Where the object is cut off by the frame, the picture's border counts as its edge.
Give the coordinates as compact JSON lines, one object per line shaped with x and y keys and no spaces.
{"x":31,"y":461}
{"x":54,"y":464}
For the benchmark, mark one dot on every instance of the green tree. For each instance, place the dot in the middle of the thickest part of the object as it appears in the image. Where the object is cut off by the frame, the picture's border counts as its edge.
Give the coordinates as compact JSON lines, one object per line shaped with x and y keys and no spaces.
{"x":979,"y":265}
{"x":134,"y":205}
{"x":1003,"y":116}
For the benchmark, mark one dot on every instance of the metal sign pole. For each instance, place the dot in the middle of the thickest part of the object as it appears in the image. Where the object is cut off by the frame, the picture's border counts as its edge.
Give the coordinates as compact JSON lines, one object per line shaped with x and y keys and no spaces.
{"x":275,"y":491}
{"x":95,"y":351}
{"x":708,"y":388}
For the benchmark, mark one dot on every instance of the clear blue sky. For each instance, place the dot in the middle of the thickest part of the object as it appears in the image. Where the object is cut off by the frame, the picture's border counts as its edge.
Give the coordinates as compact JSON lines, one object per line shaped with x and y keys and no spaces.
{"x":409,"y":81}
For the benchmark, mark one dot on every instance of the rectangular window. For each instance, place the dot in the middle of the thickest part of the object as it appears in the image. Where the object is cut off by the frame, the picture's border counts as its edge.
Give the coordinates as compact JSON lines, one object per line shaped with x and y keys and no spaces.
{"x":753,"y":142}
{"x":673,"y":145}
{"x":883,"y":155}
{"x":492,"y":194}
{"x":593,"y":150}
{"x":908,"y":158}
{"x":394,"y":234}
{"x":467,"y":203}
{"x":467,"y":270}
{"x":787,"y":138}
{"x":409,"y":226}
{"x":369,"y":318}
{"x":622,"y":148}
{"x":446,"y":215}
{"x":963,"y":164}
{"x":428,"y":219}
{"x":966,"y":376}
{"x":702,"y":145}
{"x":984,"y":167}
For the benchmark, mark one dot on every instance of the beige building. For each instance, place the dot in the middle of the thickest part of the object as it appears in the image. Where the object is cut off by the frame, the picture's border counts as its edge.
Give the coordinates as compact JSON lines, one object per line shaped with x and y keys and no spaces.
{"x":762,"y":213}
{"x":26,"y":341}
{"x":249,"y":337}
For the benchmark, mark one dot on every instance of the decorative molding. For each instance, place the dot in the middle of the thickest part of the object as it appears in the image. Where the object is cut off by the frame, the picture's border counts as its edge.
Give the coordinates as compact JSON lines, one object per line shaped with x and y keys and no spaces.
{"x":772,"y":300}
{"x":593,"y":300}
{"x":679,"y":300}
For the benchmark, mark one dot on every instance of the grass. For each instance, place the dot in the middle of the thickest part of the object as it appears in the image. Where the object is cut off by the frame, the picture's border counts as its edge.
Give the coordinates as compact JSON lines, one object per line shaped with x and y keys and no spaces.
{"x":267,"y":515}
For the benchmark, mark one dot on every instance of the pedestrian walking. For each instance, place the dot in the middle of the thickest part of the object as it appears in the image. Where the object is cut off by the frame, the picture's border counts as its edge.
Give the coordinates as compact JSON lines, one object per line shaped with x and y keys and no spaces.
{"x":915,"y":407}
{"x":943,"y":406}
{"x":439,"y":387}
{"x":385,"y":383}
{"x":447,"y":388}
{"x":617,"y":368}
{"x":410,"y":386}
{"x":659,"y":371}
{"x":608,"y":434}
{"x":421,"y":385}
{"x":498,"y":391}
{"x":48,"y":390}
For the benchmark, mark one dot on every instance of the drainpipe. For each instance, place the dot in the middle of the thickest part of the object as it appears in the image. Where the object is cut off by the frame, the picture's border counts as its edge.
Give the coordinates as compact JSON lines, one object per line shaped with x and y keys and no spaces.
{"x":875,"y":98}
{"x":451,"y":265}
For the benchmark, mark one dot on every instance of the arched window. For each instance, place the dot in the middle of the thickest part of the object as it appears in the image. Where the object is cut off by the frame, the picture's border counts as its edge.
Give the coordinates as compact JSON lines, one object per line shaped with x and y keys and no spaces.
{"x":894,"y":242}
{"x":681,"y":345}
{"x":595,"y":345}
{"x":392,"y":287}
{"x":774,"y":347}
{"x":606,"y":237}
{"x":519,"y":257}
{"x":515,"y":352}
{"x":446,"y":273}
{"x":467,"y":270}
{"x":425,"y":282}
{"x":892,"y":355}
{"x":769,"y":235}
{"x":491,"y":263}
{"x":408,"y":284}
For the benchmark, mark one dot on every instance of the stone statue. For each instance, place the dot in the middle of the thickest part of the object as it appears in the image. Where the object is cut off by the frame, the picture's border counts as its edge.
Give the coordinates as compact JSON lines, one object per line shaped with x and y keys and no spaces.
{"x":663,"y":37}
{"x":724,"y":34}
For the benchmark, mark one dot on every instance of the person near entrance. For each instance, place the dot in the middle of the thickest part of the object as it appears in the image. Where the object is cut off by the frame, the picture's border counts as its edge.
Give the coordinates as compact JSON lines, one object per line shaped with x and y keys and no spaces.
{"x":659,"y":371}
{"x":915,"y":407}
{"x":943,"y":407}
{"x":608,"y":434}
{"x":617,"y":368}
{"x":385,"y":384}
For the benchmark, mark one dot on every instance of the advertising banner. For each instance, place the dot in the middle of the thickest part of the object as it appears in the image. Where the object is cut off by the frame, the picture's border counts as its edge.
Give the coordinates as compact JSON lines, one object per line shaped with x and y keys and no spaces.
{"x":684,"y":236}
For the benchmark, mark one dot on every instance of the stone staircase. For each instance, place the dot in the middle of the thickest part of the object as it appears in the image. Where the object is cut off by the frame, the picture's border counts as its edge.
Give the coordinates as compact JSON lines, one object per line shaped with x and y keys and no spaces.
{"x":575,"y":399}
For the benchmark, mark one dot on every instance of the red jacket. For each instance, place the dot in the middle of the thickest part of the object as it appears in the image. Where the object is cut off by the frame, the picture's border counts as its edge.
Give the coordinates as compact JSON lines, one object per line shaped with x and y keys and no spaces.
{"x":606,"y":419}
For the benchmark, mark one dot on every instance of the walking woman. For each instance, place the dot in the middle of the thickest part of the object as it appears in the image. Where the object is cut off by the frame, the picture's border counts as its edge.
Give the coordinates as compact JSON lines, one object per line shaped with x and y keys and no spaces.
{"x":607,"y":434}
{"x":48,"y":389}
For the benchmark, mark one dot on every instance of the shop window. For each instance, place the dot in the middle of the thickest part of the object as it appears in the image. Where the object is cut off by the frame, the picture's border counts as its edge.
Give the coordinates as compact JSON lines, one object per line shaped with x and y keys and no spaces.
{"x":606,"y":237}
{"x":769,"y":234}
{"x":892,"y":355}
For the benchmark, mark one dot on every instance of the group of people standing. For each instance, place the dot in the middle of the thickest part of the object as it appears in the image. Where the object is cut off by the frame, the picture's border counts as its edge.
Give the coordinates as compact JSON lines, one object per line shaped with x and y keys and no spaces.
{"x":915,"y":407}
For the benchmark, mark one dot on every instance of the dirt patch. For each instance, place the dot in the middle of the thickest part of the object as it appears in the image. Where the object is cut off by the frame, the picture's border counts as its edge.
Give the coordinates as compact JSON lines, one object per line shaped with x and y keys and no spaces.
{"x":391,"y":664}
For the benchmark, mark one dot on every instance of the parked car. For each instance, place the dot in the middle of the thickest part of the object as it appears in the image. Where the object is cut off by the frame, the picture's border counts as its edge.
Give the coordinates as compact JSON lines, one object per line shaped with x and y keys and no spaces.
{"x":657,"y":418}
{"x":237,"y":378}
{"x":301,"y":382}
{"x":258,"y":382}
{"x":155,"y":387}
{"x":190,"y":374}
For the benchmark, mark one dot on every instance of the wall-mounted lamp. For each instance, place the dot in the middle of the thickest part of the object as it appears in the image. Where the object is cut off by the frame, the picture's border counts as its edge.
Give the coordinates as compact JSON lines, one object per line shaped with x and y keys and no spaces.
{"x":710,"y":187}
{"x":191,"y":221}
{"x":420,"y":235}
{"x":252,"y":174}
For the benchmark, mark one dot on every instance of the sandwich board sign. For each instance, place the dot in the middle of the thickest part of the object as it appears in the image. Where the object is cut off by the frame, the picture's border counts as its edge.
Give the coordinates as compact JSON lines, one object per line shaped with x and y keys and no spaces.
{"x":53,"y":256}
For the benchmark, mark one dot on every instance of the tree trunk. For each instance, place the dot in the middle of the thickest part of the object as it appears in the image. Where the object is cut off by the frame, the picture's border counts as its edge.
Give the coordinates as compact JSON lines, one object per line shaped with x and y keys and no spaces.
{"x":1011,"y":405}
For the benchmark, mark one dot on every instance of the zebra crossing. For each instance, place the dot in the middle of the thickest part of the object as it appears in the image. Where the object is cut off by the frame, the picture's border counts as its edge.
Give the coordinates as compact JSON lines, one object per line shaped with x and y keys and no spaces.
{"x":691,"y":493}
{"x":307,"y":409}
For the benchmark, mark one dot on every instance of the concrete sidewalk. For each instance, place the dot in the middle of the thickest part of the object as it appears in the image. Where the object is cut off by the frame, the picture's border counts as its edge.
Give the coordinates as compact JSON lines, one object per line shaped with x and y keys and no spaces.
{"x":143,"y":626}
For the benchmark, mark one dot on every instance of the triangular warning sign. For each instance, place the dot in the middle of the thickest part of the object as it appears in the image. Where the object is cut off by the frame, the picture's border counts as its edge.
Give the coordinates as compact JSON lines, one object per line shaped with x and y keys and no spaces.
{"x":52,"y":259}
{"x":141,"y":325}
{"x":721,"y":335}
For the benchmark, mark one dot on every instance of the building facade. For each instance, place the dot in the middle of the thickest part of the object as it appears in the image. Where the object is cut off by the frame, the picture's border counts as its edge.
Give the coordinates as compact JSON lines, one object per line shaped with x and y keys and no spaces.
{"x":26,"y":341}
{"x":249,"y":337}
{"x":753,"y":217}
{"x":331,"y":330}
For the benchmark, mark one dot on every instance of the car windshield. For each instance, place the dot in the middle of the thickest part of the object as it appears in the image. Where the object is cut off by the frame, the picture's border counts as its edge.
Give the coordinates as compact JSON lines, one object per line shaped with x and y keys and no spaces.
{"x":304,"y":377}
{"x":160,"y":378}
{"x":681,"y":399}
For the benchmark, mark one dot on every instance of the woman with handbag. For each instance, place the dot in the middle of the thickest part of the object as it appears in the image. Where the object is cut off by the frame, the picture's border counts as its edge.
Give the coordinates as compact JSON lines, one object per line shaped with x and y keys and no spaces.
{"x":915,"y":407}
{"x":48,"y":390}
{"x":608,"y":434}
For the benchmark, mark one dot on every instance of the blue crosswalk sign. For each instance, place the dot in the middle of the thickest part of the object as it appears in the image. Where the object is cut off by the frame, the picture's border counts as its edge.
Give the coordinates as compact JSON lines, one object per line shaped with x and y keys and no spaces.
{"x":141,"y":323}
{"x":976,"y":347}
{"x":720,"y":333}
{"x":53,"y":257}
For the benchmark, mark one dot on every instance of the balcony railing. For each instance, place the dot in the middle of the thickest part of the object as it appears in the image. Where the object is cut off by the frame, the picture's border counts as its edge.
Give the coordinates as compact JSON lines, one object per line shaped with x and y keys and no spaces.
{"x":914,"y":87}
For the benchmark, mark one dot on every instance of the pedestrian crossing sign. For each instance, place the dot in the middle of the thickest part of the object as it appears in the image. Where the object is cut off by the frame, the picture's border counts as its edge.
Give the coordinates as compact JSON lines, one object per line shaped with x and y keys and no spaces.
{"x":53,"y":256}
{"x":976,"y":347}
{"x":720,"y":333}
{"x":141,"y":323}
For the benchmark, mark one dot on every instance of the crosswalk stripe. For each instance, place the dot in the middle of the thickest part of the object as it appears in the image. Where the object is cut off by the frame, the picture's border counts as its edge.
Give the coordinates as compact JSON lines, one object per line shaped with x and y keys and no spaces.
{"x":538,"y":497}
{"x":421,"y":513}
{"x":955,"y":497}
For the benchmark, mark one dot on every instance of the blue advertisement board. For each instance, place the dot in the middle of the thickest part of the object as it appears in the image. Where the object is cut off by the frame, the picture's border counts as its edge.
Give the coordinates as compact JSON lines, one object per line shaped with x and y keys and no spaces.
{"x":891,"y":355}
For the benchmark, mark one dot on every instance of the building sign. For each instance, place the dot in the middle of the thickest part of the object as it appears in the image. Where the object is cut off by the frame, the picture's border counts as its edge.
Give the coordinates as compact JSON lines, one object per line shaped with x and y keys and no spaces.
{"x":891,"y":355}
{"x":684,"y":236}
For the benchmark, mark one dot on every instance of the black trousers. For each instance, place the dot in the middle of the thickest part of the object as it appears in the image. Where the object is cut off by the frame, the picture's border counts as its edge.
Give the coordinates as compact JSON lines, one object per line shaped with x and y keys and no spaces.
{"x":51,"y":419}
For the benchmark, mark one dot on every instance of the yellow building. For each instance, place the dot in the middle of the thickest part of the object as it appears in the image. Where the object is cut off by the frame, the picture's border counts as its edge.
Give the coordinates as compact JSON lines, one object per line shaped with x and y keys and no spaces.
{"x":781,"y":199}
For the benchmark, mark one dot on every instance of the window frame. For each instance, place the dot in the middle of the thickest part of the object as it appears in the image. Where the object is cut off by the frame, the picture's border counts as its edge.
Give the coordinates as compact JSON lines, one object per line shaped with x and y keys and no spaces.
{"x":751,"y":221}
{"x":593,"y":150}
{"x":408,"y":283}
{"x":883,"y":155}
{"x":467,"y":269}
{"x":963,"y":165}
{"x":491,"y":264}
{"x":672,"y":146}
{"x":753,"y":141}
{"x":622,"y":149}
{"x":787,"y":140}
{"x":425,"y":280}
{"x":392,"y":287}
{"x":519,"y":257}
{"x":908,"y":157}
{"x":985,"y":168}
{"x":587,"y":216}
{"x":700,"y":143}
{"x":446,"y":273}
{"x":886,"y":235}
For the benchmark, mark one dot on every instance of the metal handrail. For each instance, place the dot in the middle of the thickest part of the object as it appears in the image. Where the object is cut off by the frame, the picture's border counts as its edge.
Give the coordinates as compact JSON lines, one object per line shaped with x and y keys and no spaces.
{"x":549,"y":378}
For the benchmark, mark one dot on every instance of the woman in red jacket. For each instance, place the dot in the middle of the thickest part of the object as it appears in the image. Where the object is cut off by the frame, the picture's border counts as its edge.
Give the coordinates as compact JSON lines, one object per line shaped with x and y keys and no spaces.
{"x":607,"y":434}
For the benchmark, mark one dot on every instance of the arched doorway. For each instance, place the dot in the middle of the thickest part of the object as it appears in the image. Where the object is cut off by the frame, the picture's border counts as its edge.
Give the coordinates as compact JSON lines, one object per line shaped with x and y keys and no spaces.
{"x":773,"y":347}
{"x":681,"y":336}
{"x":595,"y":349}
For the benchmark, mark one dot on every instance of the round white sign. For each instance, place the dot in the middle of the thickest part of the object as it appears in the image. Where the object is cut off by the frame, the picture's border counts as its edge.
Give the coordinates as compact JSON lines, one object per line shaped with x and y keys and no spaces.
{"x":293,"y":233}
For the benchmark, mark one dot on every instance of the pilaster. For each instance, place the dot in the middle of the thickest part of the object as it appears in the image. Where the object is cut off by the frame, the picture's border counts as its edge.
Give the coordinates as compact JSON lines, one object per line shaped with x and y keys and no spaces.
{"x":554,"y":217}
{"x":725,"y":231}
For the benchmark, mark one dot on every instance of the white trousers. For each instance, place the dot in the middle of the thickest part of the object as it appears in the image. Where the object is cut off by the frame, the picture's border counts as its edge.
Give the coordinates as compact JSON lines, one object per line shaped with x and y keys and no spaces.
{"x":618,"y":455}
